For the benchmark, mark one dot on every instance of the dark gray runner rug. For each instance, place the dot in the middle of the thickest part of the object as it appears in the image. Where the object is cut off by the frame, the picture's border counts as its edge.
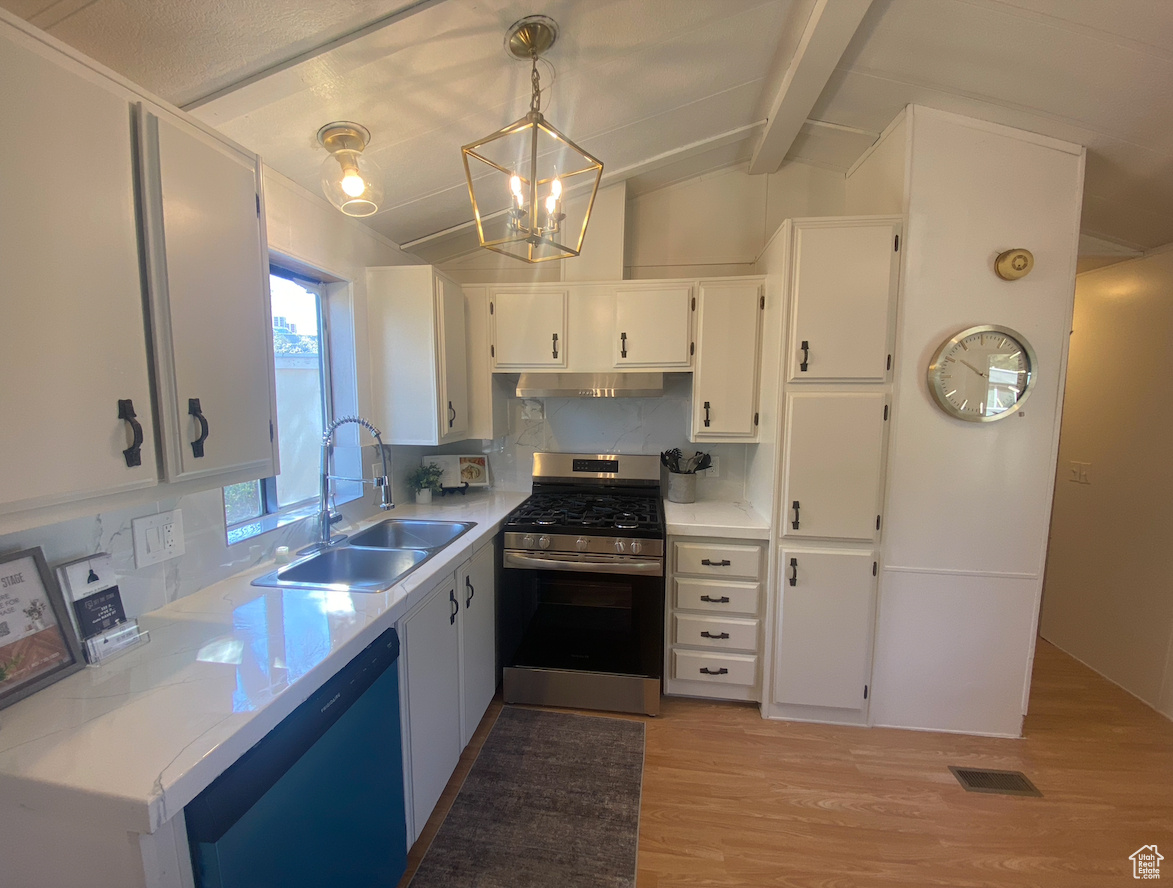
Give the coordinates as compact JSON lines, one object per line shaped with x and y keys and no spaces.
{"x":552,"y":801}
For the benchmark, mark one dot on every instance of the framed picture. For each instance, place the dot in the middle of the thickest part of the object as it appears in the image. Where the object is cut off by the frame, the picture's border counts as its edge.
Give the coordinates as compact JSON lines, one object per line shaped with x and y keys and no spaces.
{"x":38,"y":645}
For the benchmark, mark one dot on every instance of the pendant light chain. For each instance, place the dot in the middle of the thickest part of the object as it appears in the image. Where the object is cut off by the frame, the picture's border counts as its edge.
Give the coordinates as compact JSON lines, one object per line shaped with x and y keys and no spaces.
{"x":535,"y":101}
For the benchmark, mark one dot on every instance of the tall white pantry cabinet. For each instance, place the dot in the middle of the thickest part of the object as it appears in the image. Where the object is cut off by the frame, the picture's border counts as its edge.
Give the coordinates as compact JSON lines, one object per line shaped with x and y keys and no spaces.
{"x":836,"y":393}
{"x":107,"y":388}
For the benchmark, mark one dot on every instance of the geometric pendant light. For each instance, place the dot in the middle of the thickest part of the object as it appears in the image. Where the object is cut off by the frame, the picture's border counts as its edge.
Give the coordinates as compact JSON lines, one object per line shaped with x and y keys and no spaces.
{"x":518,"y":176}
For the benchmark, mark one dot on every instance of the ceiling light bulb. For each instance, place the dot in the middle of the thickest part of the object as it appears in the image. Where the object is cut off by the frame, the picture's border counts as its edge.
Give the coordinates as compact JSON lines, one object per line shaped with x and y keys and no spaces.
{"x":556,"y":188}
{"x":551,"y":204}
{"x":353,"y":184}
{"x":515,"y":187}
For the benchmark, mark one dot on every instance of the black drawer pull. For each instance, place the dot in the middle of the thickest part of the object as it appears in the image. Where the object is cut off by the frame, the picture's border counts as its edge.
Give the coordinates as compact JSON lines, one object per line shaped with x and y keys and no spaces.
{"x":623,"y":345}
{"x":193,"y":409}
{"x":555,"y":349}
{"x":706,"y":414}
{"x":133,"y":453}
{"x":455,"y":607}
{"x":705,"y":670}
{"x":806,"y":348}
{"x":451,"y":414}
{"x":793,"y":571}
{"x":724,"y":599}
{"x":719,"y":635}
{"x":471,"y":591}
{"x":794,"y":523}
{"x":724,"y":562}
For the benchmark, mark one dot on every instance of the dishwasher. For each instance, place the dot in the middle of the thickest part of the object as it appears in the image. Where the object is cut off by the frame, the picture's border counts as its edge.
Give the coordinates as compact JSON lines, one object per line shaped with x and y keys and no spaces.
{"x":319,"y":800}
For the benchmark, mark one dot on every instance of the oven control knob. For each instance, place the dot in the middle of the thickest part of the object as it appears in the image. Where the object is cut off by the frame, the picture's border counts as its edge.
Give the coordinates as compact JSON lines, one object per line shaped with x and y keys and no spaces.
{"x":528,"y":541}
{"x":619,"y":547}
{"x":581,"y":544}
{"x":636,"y":547}
{"x":543,"y":542}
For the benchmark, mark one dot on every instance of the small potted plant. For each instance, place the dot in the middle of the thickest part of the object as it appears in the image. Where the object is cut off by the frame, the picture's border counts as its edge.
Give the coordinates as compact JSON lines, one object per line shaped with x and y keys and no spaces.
{"x":423,"y":480}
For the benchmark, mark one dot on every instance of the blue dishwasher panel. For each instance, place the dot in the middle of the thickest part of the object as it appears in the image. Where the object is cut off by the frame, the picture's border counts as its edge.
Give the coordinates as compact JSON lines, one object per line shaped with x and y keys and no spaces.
{"x":319,"y":801}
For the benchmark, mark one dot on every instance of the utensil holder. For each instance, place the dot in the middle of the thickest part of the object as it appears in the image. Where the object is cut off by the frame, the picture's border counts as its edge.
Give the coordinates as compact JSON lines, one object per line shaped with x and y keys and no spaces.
{"x":681,"y":488}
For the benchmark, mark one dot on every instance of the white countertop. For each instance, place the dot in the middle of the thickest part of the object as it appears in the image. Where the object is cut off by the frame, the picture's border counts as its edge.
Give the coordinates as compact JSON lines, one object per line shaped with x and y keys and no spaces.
{"x":140,"y":737}
{"x":716,"y":519}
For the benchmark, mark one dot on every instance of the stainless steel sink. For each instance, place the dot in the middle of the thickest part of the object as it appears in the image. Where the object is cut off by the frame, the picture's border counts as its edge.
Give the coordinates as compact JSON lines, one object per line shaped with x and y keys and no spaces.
{"x":347,"y":569}
{"x":406,"y":533}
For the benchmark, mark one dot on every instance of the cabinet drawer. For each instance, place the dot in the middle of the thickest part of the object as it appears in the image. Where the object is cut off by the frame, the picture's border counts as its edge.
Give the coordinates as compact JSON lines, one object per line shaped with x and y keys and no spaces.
{"x":735,"y":669}
{"x":719,"y":560}
{"x":716,"y":632}
{"x":717,"y":596}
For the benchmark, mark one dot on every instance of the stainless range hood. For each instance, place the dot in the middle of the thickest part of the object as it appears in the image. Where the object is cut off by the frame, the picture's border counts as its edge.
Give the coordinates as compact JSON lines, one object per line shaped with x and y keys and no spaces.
{"x":590,"y":385}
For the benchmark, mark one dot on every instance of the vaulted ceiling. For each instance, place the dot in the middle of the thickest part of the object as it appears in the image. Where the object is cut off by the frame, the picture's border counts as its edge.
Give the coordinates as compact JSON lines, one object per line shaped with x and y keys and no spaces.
{"x":660,"y":89}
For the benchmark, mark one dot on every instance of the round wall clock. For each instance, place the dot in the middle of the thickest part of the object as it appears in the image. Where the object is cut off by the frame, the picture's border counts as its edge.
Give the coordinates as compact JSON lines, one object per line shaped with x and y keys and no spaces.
{"x":982,"y":374}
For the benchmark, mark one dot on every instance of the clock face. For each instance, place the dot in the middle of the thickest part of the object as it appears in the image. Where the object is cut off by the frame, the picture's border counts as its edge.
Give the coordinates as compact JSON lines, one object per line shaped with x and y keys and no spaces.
{"x":982,"y":374}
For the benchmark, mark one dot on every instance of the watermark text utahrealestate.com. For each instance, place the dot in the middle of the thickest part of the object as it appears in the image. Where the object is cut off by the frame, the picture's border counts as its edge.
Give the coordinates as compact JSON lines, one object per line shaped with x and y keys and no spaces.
{"x":1146,"y":862}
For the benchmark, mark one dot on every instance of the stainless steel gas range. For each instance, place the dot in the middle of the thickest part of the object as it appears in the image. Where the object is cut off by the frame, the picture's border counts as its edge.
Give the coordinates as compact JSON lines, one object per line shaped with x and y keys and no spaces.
{"x":582,"y":593}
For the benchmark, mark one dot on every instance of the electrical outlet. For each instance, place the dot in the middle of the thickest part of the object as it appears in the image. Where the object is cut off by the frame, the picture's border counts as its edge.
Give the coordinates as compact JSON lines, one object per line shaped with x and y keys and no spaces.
{"x":157,"y":537}
{"x":714,"y":470}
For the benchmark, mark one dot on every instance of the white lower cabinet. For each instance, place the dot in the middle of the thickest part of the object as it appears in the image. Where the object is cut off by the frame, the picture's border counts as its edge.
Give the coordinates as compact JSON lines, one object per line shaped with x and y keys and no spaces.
{"x":448,"y":676}
{"x":714,"y":619}
{"x":478,"y":638}
{"x":824,"y":627}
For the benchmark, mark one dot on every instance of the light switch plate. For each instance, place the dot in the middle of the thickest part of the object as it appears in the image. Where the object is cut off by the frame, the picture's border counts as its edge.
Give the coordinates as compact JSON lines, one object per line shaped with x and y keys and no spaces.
{"x":714,"y":470}
{"x":157,"y":537}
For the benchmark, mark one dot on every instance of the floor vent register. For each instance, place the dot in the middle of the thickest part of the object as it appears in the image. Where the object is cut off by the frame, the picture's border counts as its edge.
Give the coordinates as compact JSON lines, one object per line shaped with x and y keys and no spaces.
{"x":1000,"y":782}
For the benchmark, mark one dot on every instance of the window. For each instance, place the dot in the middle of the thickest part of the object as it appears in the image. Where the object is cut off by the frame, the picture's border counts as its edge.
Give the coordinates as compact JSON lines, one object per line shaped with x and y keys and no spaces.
{"x":302,"y":363}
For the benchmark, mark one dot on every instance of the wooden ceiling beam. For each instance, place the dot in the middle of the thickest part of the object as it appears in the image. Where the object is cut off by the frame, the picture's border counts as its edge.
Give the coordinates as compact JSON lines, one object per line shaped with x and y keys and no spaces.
{"x":829,"y":29}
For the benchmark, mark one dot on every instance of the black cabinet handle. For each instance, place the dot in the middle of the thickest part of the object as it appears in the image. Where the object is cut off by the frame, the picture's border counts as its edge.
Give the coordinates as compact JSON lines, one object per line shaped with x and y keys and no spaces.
{"x":794,"y":523}
{"x":133,"y":453}
{"x":623,"y":345}
{"x":705,"y":670}
{"x":724,"y":599}
{"x":471,"y":591}
{"x":724,"y":562}
{"x":455,"y":606}
{"x":719,"y":635}
{"x":555,"y":346}
{"x":706,"y":414}
{"x":793,"y":571}
{"x":806,"y":348}
{"x":451,"y":414}
{"x":193,"y":409}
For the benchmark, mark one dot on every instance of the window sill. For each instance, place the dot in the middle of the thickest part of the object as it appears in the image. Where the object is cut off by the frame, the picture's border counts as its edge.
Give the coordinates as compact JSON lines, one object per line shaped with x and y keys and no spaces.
{"x":250,"y":530}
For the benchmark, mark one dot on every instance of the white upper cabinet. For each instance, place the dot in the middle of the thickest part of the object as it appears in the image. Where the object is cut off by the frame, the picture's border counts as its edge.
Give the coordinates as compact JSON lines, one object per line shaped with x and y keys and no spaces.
{"x":833,"y":464}
{"x":208,"y":280}
{"x":419,"y":349}
{"x":824,"y":627}
{"x":725,"y":380}
{"x":74,"y":345}
{"x":844,"y":286}
{"x":528,"y":329}
{"x":653,"y":327}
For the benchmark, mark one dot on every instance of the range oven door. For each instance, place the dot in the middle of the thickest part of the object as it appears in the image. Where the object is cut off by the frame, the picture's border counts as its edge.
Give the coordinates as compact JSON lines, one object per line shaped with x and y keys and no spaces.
{"x":580,"y":630}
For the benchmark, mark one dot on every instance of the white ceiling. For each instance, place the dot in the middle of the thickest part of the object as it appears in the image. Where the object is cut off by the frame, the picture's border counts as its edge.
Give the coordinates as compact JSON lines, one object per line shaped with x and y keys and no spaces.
{"x":660,"y":89}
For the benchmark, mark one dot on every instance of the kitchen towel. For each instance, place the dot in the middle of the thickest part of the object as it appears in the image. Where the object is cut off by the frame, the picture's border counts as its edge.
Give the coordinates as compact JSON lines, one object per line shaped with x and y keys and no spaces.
{"x":552,"y":801}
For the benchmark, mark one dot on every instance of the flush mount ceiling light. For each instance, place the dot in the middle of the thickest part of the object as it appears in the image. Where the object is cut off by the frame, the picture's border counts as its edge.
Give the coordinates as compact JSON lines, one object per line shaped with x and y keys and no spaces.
{"x":524,"y":169}
{"x":351,"y":182}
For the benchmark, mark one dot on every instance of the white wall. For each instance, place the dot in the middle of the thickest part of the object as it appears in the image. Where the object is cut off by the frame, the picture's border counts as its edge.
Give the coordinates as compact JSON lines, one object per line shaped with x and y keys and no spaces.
{"x":1107,"y":597}
{"x":719,"y":223}
{"x":968,"y":504}
{"x":876,"y":182}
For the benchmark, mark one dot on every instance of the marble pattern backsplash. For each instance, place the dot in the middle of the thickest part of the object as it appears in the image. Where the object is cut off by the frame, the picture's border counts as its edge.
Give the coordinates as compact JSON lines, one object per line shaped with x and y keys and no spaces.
{"x":207,"y":556}
{"x":610,"y":425}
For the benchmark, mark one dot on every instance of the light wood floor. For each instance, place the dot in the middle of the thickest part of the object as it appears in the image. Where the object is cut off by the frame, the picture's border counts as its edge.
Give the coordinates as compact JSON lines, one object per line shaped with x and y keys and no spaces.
{"x":730,"y":799}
